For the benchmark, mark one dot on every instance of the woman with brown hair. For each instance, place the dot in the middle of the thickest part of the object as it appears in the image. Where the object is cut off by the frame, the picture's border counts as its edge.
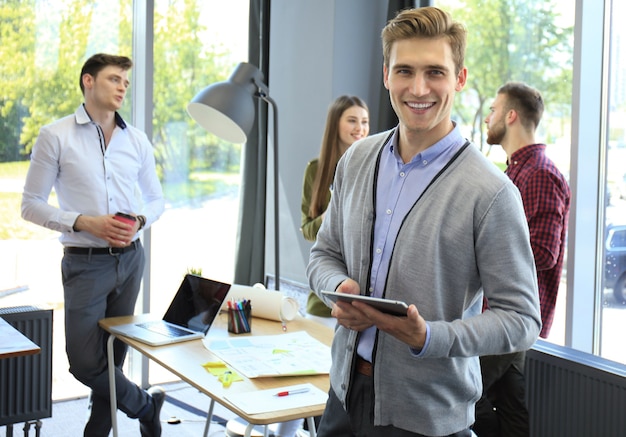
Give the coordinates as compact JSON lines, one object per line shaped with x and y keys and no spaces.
{"x":347,"y":121}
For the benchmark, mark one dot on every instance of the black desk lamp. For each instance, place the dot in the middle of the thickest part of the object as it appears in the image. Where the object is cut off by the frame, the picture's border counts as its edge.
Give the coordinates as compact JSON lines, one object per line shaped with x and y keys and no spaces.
{"x":227,"y":109}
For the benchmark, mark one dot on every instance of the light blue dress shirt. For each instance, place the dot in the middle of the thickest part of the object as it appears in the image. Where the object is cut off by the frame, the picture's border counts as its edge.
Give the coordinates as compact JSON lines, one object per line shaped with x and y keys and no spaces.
{"x":88,"y":177}
{"x":398,"y":188}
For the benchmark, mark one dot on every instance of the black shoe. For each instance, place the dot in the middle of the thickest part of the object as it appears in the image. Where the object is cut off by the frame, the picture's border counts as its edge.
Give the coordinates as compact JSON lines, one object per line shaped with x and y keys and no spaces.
{"x":151,"y":427}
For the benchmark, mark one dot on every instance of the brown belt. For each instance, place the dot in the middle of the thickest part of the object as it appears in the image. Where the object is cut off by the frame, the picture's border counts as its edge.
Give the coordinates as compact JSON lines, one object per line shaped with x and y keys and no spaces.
{"x":364,"y":367}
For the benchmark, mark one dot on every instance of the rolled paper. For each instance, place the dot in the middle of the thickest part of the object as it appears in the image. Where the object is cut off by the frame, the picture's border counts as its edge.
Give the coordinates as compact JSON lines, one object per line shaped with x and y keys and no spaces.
{"x":266,"y":304}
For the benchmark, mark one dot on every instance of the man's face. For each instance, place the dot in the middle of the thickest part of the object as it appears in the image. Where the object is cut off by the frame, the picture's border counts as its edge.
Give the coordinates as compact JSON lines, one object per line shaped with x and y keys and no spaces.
{"x":108,"y":89}
{"x":422,"y":83}
{"x":496,"y":126}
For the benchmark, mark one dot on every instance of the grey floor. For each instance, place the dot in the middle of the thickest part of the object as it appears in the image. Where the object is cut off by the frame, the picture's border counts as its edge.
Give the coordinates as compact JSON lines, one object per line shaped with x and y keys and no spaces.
{"x":183,"y":405}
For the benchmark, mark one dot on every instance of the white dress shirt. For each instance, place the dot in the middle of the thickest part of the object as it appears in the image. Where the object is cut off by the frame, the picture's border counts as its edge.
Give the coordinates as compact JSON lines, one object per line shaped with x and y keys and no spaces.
{"x":88,"y":177}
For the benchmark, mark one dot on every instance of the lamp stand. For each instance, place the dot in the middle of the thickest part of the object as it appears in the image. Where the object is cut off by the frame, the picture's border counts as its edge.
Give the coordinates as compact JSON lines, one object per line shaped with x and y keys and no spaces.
{"x":262,"y":95}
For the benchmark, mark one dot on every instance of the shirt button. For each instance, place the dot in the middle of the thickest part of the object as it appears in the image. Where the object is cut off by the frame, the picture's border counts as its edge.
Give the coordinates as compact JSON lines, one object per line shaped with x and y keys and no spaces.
{"x":402,"y":174}
{"x":378,"y":251}
{"x":425,"y":162}
{"x":388,"y":211}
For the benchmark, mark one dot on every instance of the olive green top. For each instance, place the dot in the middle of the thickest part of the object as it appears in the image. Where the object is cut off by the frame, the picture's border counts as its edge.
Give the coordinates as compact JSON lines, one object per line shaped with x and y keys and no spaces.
{"x":309,"y":228}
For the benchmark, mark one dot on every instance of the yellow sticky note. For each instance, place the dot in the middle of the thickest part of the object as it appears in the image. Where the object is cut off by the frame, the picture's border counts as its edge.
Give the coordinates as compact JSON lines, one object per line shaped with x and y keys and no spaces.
{"x":223,"y":373}
{"x":214,"y":364}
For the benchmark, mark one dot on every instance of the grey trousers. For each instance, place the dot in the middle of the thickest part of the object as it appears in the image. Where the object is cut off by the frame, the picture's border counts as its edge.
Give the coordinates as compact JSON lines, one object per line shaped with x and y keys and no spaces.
{"x":95,"y":287}
{"x":359,"y":421}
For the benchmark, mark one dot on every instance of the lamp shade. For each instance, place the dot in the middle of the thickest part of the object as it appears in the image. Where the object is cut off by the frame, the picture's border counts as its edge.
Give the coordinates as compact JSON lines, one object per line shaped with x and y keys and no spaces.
{"x":227,"y":109}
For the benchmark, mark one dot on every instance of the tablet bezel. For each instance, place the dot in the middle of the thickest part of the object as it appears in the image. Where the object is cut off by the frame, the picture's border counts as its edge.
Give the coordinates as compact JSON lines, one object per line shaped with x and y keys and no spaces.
{"x":388,"y":306}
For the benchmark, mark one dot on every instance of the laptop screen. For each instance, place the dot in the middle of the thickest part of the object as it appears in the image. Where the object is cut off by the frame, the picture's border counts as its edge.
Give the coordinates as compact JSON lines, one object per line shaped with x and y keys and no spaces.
{"x":196,"y":303}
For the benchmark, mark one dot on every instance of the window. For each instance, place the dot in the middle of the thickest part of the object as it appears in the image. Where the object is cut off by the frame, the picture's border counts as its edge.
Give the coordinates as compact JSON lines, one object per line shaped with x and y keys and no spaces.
{"x":614,"y":281}
{"x":38,"y":84}
{"x":534,"y":42}
{"x":523,"y":41}
{"x":195,"y":44}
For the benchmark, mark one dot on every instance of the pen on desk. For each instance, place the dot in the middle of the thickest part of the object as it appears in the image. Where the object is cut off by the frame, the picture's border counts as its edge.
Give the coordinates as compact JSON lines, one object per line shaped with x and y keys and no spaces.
{"x":292,"y":392}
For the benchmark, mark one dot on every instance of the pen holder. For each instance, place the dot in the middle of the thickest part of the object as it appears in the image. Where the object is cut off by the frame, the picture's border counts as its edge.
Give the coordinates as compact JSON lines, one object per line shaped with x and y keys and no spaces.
{"x":239,"y":320}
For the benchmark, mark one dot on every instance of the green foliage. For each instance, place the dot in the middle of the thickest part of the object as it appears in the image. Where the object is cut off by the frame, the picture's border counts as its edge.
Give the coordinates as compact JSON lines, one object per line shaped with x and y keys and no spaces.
{"x":11,"y":224}
{"x":201,"y":185}
{"x":43,"y":50}
{"x":195,"y":271}
{"x":182,"y":67}
{"x":512,"y":40}
{"x":17,"y":38}
{"x":13,"y":170}
{"x":13,"y":227}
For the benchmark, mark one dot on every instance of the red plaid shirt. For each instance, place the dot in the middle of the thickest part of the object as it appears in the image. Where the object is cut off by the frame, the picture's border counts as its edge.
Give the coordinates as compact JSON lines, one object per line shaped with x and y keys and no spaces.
{"x":546,"y":197}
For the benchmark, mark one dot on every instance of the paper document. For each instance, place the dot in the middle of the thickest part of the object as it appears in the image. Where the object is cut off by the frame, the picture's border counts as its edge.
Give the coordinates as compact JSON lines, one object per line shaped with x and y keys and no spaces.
{"x":264,"y":401}
{"x":267,"y":304}
{"x":295,"y":353}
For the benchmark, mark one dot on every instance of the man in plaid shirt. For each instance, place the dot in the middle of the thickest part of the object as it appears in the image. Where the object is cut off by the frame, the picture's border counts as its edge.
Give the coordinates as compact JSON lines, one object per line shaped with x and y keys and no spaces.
{"x":512,"y":122}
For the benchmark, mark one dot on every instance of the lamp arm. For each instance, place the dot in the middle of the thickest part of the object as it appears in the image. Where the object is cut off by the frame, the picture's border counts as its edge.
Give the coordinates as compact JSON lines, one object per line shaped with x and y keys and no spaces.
{"x":263,"y":91}
{"x":262,"y":94}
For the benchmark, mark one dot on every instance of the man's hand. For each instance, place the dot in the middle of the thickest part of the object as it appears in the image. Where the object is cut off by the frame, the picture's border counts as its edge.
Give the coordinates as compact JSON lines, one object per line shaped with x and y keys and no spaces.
{"x":347,"y":315}
{"x":106,"y":227}
{"x":359,"y":316}
{"x":410,"y":329}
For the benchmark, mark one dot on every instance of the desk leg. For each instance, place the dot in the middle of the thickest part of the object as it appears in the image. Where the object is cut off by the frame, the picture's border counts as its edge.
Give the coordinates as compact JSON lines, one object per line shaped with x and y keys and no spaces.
{"x":209,"y":417}
{"x":249,"y":429}
{"x":311,"y":422}
{"x":112,"y":391}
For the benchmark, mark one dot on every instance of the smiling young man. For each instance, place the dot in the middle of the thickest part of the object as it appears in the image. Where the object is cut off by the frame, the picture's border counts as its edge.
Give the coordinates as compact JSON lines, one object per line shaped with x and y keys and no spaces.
{"x":418,"y":214}
{"x":96,"y":162}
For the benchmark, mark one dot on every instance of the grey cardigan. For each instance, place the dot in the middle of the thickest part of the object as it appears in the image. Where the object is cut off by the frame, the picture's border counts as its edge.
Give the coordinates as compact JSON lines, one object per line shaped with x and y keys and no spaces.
{"x":466,"y":235}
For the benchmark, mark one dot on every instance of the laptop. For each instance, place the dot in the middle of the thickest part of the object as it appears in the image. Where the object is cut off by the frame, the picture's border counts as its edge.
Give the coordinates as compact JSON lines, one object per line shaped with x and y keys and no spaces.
{"x":194,"y":307}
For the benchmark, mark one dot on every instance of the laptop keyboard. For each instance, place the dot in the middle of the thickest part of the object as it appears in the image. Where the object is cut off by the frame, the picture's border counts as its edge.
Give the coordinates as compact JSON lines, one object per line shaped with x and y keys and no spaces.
{"x":164,"y":329}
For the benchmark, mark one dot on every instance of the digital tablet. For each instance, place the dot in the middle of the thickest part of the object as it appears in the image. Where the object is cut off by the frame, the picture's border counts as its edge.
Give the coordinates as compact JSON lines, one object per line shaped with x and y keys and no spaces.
{"x":393,"y":307}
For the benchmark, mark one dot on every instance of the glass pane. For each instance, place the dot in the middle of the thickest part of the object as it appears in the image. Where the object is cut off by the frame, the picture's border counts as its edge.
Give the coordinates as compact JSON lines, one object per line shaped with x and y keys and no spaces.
{"x":44,"y":46}
{"x":527,"y":41}
{"x":614,"y":297}
{"x":195,"y":44}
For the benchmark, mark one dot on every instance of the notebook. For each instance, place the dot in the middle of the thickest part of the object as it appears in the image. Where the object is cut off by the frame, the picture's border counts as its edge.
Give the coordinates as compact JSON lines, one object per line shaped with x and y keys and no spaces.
{"x":194,"y":307}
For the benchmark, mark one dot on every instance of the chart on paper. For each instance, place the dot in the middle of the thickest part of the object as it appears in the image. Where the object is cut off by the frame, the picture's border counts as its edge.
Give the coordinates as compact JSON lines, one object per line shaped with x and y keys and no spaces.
{"x":295,"y":353}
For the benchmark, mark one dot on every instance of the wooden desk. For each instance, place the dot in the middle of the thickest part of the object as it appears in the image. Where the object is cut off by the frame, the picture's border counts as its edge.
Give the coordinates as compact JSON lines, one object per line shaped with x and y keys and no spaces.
{"x":13,"y":343}
{"x":185,"y":361}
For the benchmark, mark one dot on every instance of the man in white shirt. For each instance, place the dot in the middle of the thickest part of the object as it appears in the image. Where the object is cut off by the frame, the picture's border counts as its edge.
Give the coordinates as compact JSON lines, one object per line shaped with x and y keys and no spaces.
{"x":96,"y":163}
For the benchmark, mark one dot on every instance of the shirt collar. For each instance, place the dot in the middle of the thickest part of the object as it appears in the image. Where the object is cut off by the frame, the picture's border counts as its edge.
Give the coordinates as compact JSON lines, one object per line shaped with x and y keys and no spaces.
{"x":83,"y":117}
{"x":521,"y":155}
{"x":453,"y":140}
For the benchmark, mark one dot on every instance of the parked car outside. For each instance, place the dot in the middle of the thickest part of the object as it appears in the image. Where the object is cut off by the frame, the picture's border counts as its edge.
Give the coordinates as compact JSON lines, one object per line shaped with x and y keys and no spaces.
{"x":615,"y":261}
